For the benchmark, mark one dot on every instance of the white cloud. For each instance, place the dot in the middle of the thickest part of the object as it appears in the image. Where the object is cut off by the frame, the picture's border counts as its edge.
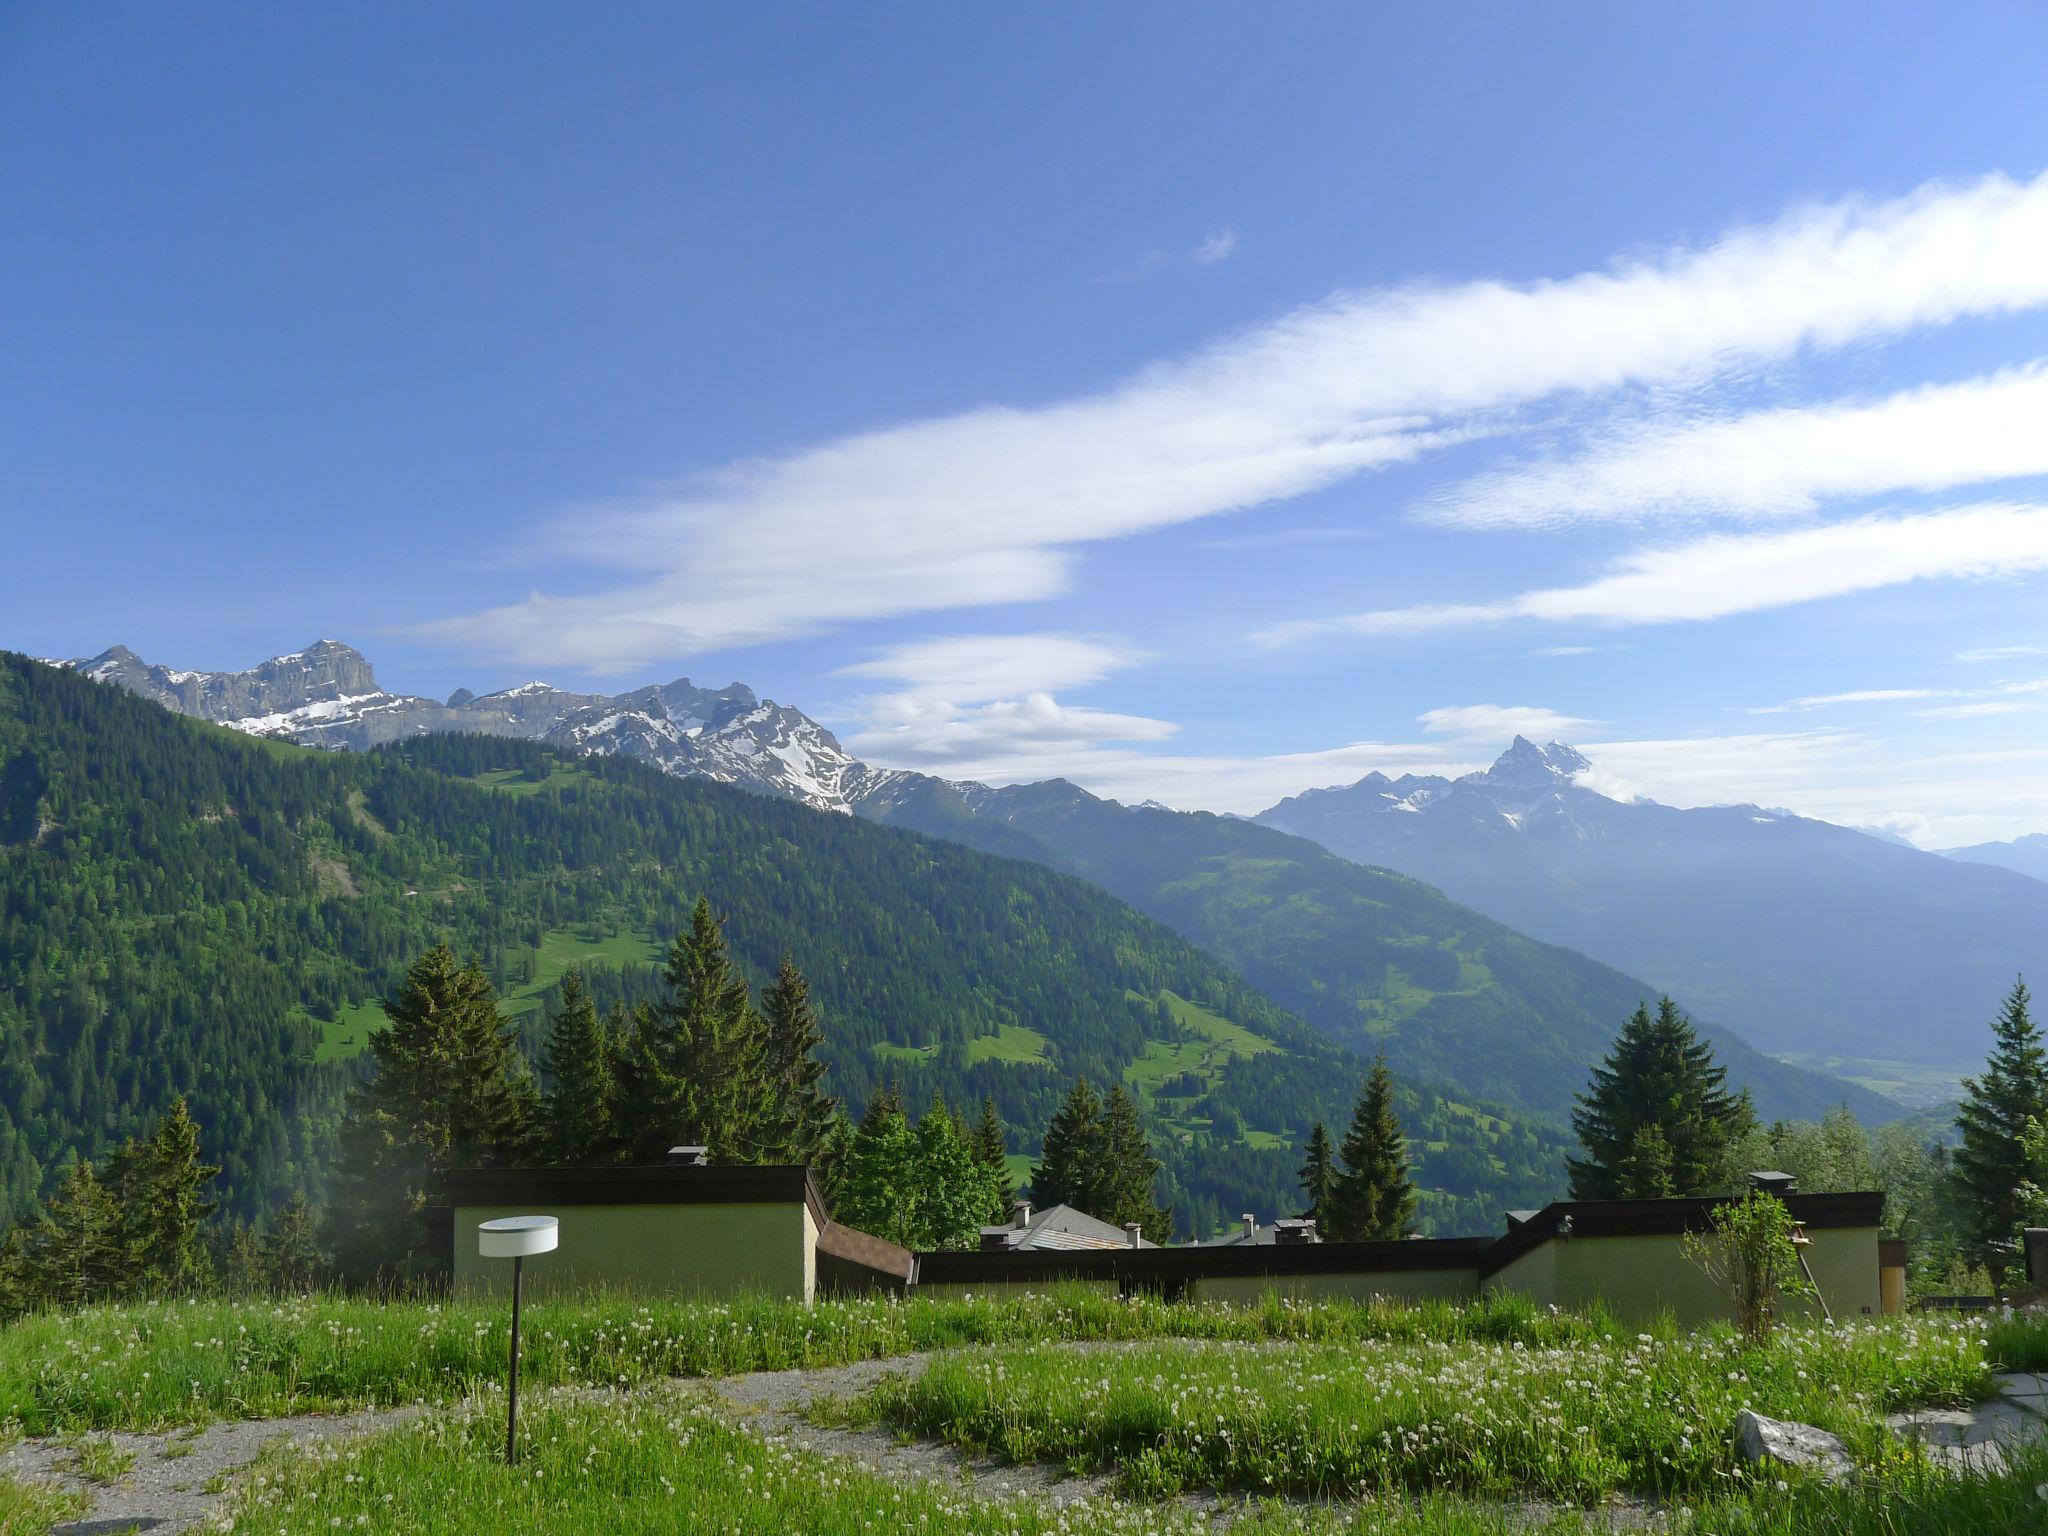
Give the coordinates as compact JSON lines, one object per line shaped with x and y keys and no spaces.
{"x":2002,"y":653}
{"x":973,"y":669}
{"x":982,"y":507}
{"x":1214,"y":248}
{"x":1779,"y":462}
{"x":1498,"y":723}
{"x":1727,"y":574}
{"x":1855,"y":696}
{"x":1974,"y":711}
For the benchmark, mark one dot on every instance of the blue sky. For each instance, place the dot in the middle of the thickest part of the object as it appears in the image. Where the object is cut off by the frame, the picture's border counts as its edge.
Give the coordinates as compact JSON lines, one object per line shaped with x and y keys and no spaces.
{"x":1201,"y":402}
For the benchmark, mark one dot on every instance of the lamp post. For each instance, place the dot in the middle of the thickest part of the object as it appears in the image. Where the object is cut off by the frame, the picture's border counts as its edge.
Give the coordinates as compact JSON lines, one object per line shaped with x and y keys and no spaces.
{"x":517,"y":1238}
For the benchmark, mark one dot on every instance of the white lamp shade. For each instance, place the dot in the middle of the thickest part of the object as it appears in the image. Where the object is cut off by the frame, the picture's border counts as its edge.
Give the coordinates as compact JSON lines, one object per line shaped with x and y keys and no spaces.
{"x":517,"y":1237}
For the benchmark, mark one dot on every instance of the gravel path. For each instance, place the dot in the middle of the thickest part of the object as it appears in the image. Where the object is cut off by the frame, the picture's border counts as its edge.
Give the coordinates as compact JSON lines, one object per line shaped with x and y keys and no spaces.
{"x":175,"y":1480}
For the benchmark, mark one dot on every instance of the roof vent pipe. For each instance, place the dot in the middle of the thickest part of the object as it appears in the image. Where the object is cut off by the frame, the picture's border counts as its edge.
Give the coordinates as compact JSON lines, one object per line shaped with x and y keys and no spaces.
{"x":1251,"y":1226}
{"x":1131,"y":1232}
{"x":1020,"y":1214}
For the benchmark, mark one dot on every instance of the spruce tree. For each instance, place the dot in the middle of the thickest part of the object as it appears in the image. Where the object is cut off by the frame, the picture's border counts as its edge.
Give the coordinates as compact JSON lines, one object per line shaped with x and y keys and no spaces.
{"x":162,"y":1185}
{"x":1644,"y":1172}
{"x":1658,"y":1072}
{"x":1318,"y":1177}
{"x":1069,"y":1167}
{"x":2000,"y":1110}
{"x":448,"y":1090}
{"x":806,"y":1115}
{"x":990,"y":1143}
{"x":952,"y":1192}
{"x":1374,"y":1198}
{"x":77,"y":1252}
{"x":576,"y":1112}
{"x":292,"y":1260}
{"x":694,"y":1070}
{"x":1122,"y":1191}
{"x":874,"y":1188}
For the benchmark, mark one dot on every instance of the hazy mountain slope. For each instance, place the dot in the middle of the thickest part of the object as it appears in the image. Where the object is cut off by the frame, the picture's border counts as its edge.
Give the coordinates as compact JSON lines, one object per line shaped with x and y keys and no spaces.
{"x":1371,"y":957}
{"x":183,"y":909}
{"x":1807,"y":937}
{"x":2023,"y":855}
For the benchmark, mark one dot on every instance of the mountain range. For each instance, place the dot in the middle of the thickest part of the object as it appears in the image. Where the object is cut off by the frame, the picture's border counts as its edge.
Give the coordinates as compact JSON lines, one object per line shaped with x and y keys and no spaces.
{"x":188,"y":910}
{"x":2026,"y":855}
{"x":1814,"y":939}
{"x":1373,"y":959}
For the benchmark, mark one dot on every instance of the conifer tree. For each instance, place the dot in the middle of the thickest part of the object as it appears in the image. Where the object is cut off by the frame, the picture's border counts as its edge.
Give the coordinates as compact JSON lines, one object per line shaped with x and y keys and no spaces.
{"x":241,"y":1270}
{"x":1658,"y":1072}
{"x":292,"y":1260}
{"x":1644,"y":1172}
{"x":77,"y":1252}
{"x":162,"y":1184}
{"x":2001,"y":1109}
{"x":694,"y":1070}
{"x":1069,"y":1166}
{"x":1319,"y":1179}
{"x":990,"y":1142}
{"x":576,"y":1113}
{"x":1374,"y":1198}
{"x":448,"y":1090}
{"x":1122,"y":1191}
{"x":874,"y":1188}
{"x":806,"y":1115}
{"x":951,"y":1191}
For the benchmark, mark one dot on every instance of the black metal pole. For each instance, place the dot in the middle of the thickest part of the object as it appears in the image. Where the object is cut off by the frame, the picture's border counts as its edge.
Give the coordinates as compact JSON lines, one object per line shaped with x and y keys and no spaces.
{"x":512,"y":1398}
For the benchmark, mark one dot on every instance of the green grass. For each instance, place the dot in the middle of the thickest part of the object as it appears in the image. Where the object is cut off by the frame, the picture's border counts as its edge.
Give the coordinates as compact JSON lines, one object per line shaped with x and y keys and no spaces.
{"x":1578,"y":1419}
{"x":561,"y":948}
{"x":1216,"y":1040}
{"x":32,"y":1509}
{"x":348,"y":1034}
{"x":668,"y":1462}
{"x":1012,"y":1044}
{"x":158,"y":1364}
{"x":513,"y":781}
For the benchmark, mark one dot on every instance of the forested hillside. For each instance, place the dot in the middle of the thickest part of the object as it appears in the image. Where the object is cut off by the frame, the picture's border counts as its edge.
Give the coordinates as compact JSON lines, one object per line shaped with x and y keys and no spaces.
{"x":1372,"y":958}
{"x":187,"y":910}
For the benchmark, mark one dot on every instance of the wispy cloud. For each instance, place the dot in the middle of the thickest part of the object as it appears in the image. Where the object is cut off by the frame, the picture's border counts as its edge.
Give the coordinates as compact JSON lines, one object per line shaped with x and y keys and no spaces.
{"x":1714,"y":577}
{"x":986,"y":506}
{"x":972,"y":669}
{"x":1854,"y":696}
{"x":2002,"y":653}
{"x":1215,"y":247}
{"x":2010,"y":690}
{"x":1498,"y":723}
{"x":1777,"y":463}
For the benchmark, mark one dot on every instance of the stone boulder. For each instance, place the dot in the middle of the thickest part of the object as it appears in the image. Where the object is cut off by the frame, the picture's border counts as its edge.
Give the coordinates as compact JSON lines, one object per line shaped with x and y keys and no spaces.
{"x":1787,"y":1444}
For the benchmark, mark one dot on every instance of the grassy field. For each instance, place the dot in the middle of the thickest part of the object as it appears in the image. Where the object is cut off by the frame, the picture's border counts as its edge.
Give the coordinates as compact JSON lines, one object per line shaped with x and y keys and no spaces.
{"x":1423,"y":1420}
{"x":1577,"y":1420}
{"x":154,"y":1365}
{"x":1011,"y":1043}
{"x":1215,"y":1040}
{"x":512,"y":781}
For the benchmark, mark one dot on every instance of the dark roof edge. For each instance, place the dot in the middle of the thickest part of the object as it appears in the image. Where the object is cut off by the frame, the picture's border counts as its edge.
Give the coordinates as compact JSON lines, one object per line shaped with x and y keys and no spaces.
{"x":1142,"y":1266}
{"x":719,"y":1184}
{"x":1665,"y":1218}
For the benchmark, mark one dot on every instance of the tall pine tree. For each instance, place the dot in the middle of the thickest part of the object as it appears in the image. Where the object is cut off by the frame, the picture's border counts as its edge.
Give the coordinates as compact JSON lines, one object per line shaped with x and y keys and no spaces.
{"x":1658,"y":1073}
{"x":694,"y":1070}
{"x":806,"y":1116}
{"x":1374,"y":1198}
{"x":2000,"y":1110}
{"x":990,"y":1143}
{"x":1071,"y":1160}
{"x":1318,"y":1177}
{"x":162,"y":1186}
{"x":578,"y":1059}
{"x":448,"y":1091}
{"x":1122,"y":1189}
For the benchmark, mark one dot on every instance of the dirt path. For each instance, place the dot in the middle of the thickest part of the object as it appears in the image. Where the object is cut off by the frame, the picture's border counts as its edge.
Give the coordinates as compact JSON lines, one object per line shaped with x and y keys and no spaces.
{"x":173,"y":1481}
{"x":177,"y":1480}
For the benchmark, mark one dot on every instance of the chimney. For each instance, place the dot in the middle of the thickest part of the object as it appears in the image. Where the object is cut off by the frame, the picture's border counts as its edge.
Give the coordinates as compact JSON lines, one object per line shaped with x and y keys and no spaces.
{"x":1251,"y":1226}
{"x":1131,"y":1231}
{"x":1773,"y":1183}
{"x":688,"y":1157}
{"x":1020,"y":1214}
{"x":1294,"y":1231}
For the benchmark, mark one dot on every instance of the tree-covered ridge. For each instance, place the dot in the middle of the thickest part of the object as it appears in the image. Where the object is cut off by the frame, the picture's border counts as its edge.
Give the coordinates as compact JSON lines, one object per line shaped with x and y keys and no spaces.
{"x":181,"y":907}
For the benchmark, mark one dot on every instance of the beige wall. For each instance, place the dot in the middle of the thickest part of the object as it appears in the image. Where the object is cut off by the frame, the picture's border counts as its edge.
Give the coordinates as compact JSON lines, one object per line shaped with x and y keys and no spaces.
{"x":1400,"y":1285}
{"x":1640,"y":1277}
{"x":710,"y":1250}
